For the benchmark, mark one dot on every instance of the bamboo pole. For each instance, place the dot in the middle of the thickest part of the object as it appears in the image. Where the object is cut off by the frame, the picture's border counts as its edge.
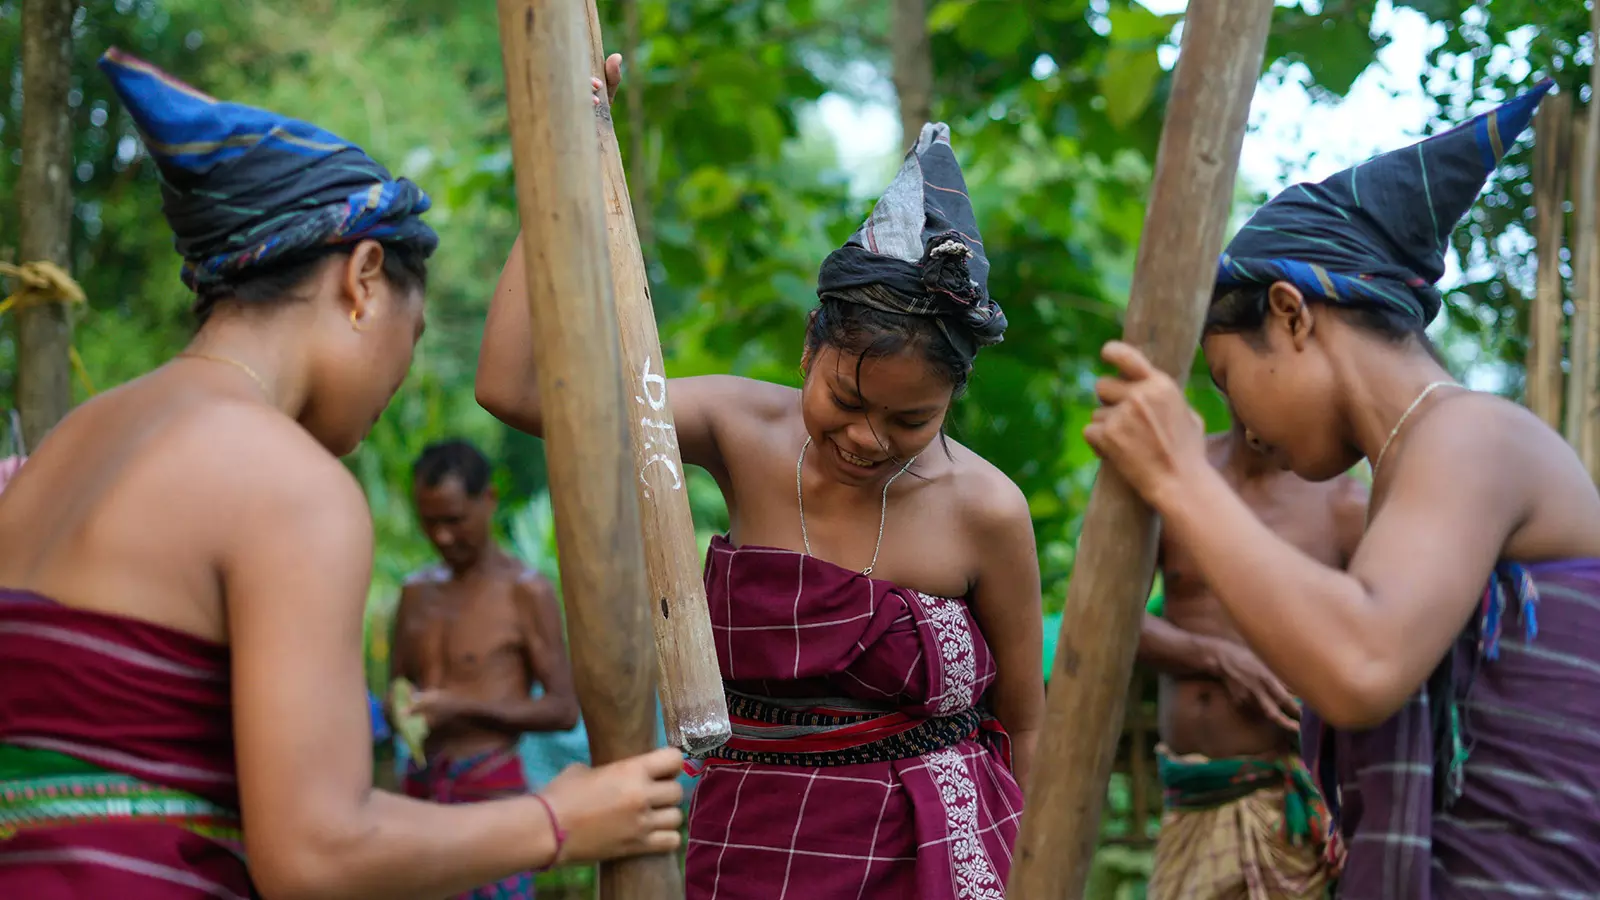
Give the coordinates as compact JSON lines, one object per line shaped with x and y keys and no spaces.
{"x":44,"y":194}
{"x":1589,"y":260}
{"x":1190,"y":199}
{"x":1138,"y":760}
{"x":575,"y":339}
{"x":1553,"y":146}
{"x":694,"y":708}
{"x":1582,"y":213}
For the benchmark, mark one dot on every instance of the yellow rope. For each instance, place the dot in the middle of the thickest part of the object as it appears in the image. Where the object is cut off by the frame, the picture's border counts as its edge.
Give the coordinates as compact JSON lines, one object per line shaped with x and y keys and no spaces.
{"x":81,"y":369}
{"x":40,"y":282}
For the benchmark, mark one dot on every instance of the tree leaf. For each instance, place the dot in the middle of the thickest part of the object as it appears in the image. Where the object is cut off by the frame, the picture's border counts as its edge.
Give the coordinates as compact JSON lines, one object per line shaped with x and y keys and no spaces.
{"x":1127,"y":82}
{"x":947,"y":15}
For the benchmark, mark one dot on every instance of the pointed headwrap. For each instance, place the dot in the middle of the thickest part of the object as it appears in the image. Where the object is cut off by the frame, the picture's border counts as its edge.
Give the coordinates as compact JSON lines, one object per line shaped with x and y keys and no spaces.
{"x":1375,"y":235}
{"x":243,"y":187}
{"x":919,"y":252}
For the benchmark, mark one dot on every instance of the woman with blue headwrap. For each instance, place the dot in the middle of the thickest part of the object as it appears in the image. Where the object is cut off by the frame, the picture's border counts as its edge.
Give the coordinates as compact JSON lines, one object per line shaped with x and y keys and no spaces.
{"x":184,"y":562}
{"x":1450,"y":675}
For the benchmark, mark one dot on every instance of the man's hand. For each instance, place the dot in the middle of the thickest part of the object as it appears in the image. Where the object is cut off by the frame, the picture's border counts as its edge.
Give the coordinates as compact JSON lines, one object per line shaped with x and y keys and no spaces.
{"x":438,"y":707}
{"x":1251,"y":683}
{"x":613,"y":80}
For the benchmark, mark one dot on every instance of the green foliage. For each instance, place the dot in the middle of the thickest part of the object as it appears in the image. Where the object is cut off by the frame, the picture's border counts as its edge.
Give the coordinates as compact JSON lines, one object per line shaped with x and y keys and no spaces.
{"x":1490,"y":52}
{"x":1335,"y":45}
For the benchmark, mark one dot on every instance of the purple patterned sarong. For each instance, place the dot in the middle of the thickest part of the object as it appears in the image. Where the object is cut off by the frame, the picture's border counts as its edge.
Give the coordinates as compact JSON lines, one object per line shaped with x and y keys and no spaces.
{"x":1486,"y":784}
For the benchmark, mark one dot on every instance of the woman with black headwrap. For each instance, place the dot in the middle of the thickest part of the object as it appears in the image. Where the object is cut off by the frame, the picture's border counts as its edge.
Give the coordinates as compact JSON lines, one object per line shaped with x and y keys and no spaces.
{"x":876,"y":601}
{"x":1449,"y":677}
{"x":184,"y":563}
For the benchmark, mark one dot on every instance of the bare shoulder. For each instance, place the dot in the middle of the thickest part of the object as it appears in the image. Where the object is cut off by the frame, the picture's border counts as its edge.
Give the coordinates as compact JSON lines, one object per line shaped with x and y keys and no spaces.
{"x":413,"y":593}
{"x":531,"y":585}
{"x":1489,"y":468}
{"x":746,"y":397}
{"x":1480,"y":434}
{"x":989,"y":498}
{"x":1517,"y":469}
{"x":429,"y":575}
{"x":260,"y":463}
{"x":534,"y":598}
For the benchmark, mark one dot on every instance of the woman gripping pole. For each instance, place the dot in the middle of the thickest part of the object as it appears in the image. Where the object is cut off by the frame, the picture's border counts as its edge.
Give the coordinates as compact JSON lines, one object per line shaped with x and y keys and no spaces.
{"x":184,"y":563}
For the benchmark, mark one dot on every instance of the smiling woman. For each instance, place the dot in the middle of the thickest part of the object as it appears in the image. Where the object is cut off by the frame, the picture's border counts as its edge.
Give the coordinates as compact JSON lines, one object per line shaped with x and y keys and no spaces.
{"x":875,"y":602}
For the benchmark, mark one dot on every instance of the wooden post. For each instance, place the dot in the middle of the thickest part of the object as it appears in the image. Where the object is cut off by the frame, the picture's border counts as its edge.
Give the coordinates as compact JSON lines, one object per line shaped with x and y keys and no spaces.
{"x":693,"y":705}
{"x":1588,"y":256}
{"x":1542,"y":372}
{"x":1582,"y":223}
{"x":1190,"y":201}
{"x":44,"y":194}
{"x":1138,"y":762}
{"x":582,"y":386}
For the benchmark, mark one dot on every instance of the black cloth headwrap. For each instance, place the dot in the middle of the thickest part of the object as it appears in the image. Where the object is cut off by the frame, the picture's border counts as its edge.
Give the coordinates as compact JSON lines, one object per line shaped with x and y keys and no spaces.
{"x":244,"y":187}
{"x":919,"y":252}
{"x":1375,"y":235}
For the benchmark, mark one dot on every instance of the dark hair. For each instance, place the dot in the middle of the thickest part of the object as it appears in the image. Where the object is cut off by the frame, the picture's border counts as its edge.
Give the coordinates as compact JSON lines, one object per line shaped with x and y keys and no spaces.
{"x":404,"y":267}
{"x":1243,"y":311}
{"x":453,"y":458}
{"x":868,"y":332}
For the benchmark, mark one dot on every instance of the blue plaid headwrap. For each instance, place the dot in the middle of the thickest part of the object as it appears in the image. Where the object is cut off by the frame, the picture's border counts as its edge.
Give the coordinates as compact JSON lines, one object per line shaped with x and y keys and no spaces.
{"x":1376,"y":234}
{"x":243,"y":187}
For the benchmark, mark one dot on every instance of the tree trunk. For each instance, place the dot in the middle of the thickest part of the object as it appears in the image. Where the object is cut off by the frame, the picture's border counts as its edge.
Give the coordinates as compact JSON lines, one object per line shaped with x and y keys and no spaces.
{"x":44,"y":331}
{"x":912,"y":59}
{"x":557,"y":160}
{"x":1190,"y":199}
{"x":1542,"y":372}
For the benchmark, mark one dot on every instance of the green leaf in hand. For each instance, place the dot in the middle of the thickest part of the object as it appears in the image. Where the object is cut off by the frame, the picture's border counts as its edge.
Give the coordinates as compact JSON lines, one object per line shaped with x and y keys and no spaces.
{"x":411,"y":727}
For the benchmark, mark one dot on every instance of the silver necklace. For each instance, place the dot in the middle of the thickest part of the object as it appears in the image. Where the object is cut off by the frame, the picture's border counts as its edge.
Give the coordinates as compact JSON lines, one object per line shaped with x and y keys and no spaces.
{"x":883,"y":509}
{"x":1432,"y":386}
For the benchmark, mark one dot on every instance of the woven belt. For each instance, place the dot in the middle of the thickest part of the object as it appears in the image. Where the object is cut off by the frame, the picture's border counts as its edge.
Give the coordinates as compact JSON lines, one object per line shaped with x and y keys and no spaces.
{"x":771,"y":734}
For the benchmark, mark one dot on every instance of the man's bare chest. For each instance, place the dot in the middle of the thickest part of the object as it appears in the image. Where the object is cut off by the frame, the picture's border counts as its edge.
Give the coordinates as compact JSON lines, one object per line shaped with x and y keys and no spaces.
{"x":461,"y":629}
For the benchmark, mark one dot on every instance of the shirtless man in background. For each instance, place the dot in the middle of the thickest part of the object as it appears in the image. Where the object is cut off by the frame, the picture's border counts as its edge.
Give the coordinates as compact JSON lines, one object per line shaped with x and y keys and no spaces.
{"x":1244,"y":819}
{"x":474,"y":636}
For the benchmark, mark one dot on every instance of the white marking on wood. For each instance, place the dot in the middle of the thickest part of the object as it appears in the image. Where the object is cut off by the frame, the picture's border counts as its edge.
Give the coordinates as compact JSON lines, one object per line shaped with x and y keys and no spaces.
{"x":659,"y":434}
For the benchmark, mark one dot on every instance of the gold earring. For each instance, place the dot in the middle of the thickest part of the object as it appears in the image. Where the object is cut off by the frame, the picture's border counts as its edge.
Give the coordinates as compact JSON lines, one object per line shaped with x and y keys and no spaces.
{"x":355,"y":320}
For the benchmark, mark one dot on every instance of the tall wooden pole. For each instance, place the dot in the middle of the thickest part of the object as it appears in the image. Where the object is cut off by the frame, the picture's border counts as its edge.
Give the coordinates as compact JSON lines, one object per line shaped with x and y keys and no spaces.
{"x":1553,"y":146}
{"x":544,"y":46}
{"x":1583,"y":223}
{"x":693,"y":705}
{"x":1588,"y":257}
{"x":44,"y":192}
{"x":1190,"y":199}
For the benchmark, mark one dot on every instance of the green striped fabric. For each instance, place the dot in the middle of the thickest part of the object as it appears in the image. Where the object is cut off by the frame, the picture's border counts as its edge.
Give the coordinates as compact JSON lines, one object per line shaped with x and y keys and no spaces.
{"x":43,"y":789}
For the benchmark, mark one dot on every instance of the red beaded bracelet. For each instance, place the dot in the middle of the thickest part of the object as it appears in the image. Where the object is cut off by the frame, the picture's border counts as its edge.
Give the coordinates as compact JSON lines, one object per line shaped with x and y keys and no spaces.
{"x":555,"y":825}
